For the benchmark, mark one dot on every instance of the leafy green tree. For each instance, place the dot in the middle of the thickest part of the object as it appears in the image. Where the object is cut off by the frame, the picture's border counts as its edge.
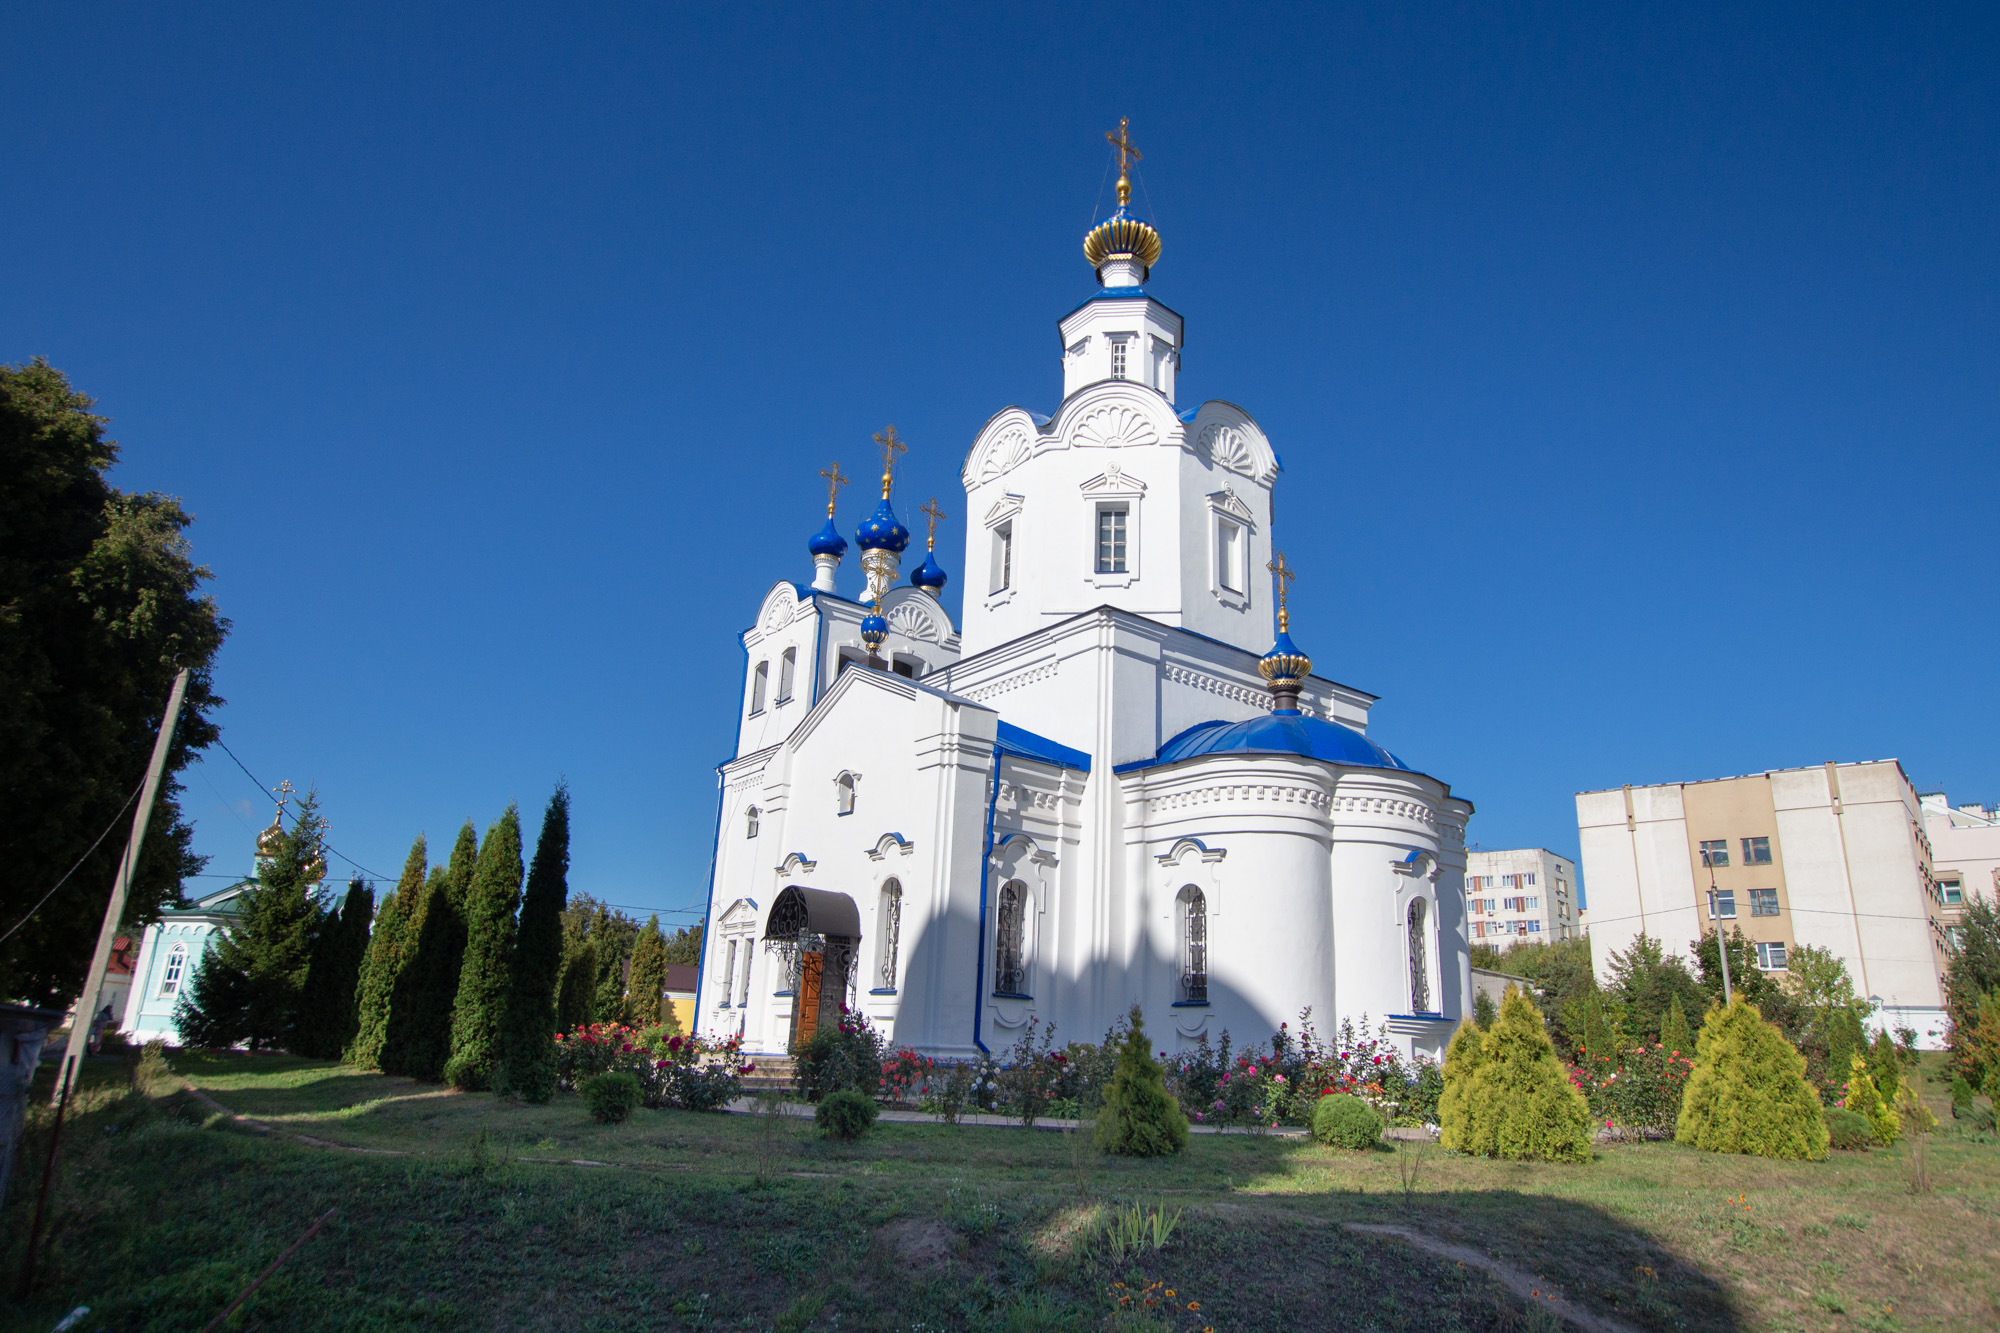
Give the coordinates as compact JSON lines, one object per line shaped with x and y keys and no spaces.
{"x":1748,"y":1091}
{"x":249,"y":985}
{"x":1645,"y":981}
{"x":1971,"y":974}
{"x":1746,"y":980}
{"x":1562,"y":973}
{"x":529,"y":1067}
{"x":1675,"y":1034}
{"x":328,"y":1012}
{"x":1139,"y":1117}
{"x":684,"y":947}
{"x":646,"y":989}
{"x":100,"y":604}
{"x":1521,"y":1104}
{"x":1591,"y":1033}
{"x":576,"y":992}
{"x":387,"y":949}
{"x":607,"y":1004}
{"x":1461,"y":1061}
{"x":426,"y":994}
{"x":479,"y":1013}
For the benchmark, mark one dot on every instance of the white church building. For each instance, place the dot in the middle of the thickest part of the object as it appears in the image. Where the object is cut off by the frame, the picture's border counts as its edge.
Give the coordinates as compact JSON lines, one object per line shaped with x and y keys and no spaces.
{"x":1107,"y":784}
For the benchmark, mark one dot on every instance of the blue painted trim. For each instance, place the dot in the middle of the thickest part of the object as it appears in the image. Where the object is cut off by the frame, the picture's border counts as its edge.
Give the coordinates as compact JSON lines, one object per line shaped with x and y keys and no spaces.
{"x":819,"y":653}
{"x":1422,"y":1018}
{"x":985,"y":875}
{"x":708,"y":919}
{"x":1025,"y":744}
{"x":1010,"y":995}
{"x":1189,"y":1004}
{"x":883,"y":990}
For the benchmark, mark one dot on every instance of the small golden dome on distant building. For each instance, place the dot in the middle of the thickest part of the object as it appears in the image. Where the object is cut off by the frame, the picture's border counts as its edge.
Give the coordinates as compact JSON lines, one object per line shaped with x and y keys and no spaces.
{"x":271,"y":838}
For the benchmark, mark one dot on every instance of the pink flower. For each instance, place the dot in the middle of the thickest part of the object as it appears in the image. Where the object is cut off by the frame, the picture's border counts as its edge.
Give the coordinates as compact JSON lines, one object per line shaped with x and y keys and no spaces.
{"x":673,"y":1043}
{"x":661,"y":1064}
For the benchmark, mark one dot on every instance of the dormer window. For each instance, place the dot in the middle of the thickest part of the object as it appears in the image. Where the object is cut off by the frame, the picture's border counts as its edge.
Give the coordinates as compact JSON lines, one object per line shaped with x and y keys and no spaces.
{"x":1003,"y":557}
{"x":1111,"y":521}
{"x":759,"y":680}
{"x":1118,"y":346}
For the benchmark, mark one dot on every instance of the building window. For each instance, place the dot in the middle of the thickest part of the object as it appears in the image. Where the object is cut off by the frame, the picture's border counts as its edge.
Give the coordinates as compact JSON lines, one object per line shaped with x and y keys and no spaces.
{"x":1009,"y":973}
{"x":1229,"y":555}
{"x":1952,"y":891}
{"x":1770,"y":956}
{"x":787,"y":666}
{"x":1763,"y":902}
{"x":729,"y":975}
{"x":170,"y":978}
{"x":1118,"y":346}
{"x":850,"y":657}
{"x":750,"y":822}
{"x":759,"y":678}
{"x":743,"y":981}
{"x":889,"y":925}
{"x":1531,"y":879}
{"x":843,"y":794}
{"x":1111,"y":539}
{"x":1954,"y":937}
{"x":1531,"y":927}
{"x":904,"y":666}
{"x":1722,"y":903}
{"x":1194,"y":946}
{"x":1003,"y":557}
{"x":1756,"y":851}
{"x":1715,"y":853}
{"x":1420,"y":972}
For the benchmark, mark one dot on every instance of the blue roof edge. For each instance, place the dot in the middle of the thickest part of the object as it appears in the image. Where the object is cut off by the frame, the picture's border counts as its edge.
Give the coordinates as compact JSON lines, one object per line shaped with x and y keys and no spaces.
{"x":1025,"y":744}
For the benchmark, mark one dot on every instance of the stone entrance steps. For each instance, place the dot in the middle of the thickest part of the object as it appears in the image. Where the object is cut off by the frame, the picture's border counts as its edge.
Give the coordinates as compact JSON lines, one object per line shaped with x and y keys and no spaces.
{"x":775,"y":1073}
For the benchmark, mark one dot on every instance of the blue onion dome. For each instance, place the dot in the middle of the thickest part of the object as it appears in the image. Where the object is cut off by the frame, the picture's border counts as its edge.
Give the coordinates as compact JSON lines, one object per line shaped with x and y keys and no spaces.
{"x":883,"y":531}
{"x":1280,"y":733}
{"x":828,"y":541}
{"x":1284,"y":661}
{"x":1122,"y":233}
{"x":874,"y":630}
{"x":930,"y":575}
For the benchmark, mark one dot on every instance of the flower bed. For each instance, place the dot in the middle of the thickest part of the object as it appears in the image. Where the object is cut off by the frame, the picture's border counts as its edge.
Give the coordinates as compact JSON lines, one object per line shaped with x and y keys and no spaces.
{"x":684,"y":1073}
{"x":1636,"y":1093}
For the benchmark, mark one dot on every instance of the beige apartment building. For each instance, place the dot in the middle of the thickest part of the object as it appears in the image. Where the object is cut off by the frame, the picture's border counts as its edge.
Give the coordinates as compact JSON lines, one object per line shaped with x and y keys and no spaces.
{"x":1526,"y":893}
{"x":1836,"y":856}
{"x":1965,"y":856}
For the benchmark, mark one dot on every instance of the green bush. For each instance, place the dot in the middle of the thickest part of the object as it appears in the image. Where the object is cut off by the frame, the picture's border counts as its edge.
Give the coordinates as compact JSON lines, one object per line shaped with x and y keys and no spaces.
{"x":845,"y":1114}
{"x":1139,"y":1117}
{"x":845,"y":1056}
{"x":1522,"y":1102}
{"x":1343,"y":1120}
{"x":612,"y":1095}
{"x":1748,"y":1092}
{"x":1461,"y":1061}
{"x":1849,"y":1131}
{"x":1866,"y":1100}
{"x":1961,"y":1098}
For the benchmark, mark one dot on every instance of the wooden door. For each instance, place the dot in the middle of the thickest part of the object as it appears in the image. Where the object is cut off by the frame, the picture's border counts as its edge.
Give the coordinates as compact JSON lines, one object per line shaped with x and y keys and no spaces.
{"x":805,"y":1011}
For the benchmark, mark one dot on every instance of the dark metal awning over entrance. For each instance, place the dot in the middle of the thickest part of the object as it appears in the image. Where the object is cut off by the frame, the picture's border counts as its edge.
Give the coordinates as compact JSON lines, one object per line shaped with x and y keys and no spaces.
{"x":821,"y":911}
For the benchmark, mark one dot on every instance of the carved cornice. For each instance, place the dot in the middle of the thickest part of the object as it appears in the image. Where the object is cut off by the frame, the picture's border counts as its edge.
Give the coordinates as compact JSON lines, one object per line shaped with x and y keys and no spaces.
{"x":1033,"y":675}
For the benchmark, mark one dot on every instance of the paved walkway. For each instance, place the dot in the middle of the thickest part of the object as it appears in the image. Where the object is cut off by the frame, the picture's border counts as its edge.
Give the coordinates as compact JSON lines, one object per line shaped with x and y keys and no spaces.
{"x":749,"y":1106}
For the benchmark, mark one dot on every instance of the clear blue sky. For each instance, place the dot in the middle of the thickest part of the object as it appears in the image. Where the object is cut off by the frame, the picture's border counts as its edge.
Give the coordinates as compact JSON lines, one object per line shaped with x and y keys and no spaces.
{"x":1634,"y":367}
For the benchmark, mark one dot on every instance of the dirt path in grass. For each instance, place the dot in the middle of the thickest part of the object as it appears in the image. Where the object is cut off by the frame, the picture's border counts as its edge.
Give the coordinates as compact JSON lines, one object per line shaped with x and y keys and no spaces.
{"x":1525,"y":1285}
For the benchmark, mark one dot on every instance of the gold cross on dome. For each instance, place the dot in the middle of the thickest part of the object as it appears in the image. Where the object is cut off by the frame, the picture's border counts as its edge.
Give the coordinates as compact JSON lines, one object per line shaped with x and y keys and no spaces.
{"x":936,"y":516}
{"x":1127,"y":154}
{"x":892,"y":445}
{"x":1284,"y":574}
{"x":835,"y":479}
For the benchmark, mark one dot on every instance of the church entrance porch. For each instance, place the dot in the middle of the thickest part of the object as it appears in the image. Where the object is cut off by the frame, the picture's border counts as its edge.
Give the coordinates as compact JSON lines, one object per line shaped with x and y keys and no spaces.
{"x":815,"y":934}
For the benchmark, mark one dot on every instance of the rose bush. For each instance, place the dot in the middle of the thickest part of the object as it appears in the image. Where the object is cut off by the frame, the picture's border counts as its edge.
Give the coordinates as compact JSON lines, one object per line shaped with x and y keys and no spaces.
{"x":681,"y":1073}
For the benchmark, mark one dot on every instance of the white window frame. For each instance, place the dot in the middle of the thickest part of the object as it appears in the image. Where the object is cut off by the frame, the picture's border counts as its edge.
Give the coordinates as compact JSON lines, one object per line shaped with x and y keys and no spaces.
{"x":728,"y":972}
{"x":888,"y":935}
{"x":788,"y":666}
{"x":1121,"y":356}
{"x":173,"y":974}
{"x":752,"y":822}
{"x":760,"y":682}
{"x":1111,"y":538}
{"x":1003,"y":566}
{"x":845,"y":793}
{"x":1766,"y":951}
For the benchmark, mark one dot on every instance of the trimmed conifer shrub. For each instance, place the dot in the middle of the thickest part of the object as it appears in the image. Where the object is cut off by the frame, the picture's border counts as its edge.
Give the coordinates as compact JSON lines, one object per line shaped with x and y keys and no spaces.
{"x":846,"y":1114}
{"x":421,"y":1010}
{"x":529,"y":1066}
{"x":646,"y":983}
{"x":1461,"y":1061}
{"x":608,"y":999}
{"x":1521,"y":1103}
{"x":1342,"y":1120}
{"x":1885,"y":1066}
{"x":1961,"y":1098}
{"x":384,"y":963}
{"x":327,"y":1012}
{"x":1848,"y":1131}
{"x":576,"y":991}
{"x":1483,"y":1012}
{"x":1139,"y":1117}
{"x":1675,"y":1034}
{"x":1748,"y":1092}
{"x":479,"y":1011}
{"x":1864,"y":1098}
{"x":612,"y":1095}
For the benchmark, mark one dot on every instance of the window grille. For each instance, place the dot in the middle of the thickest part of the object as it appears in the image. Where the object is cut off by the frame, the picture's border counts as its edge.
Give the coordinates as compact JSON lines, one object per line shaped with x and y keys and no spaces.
{"x":1111,"y":540}
{"x":170,"y":979}
{"x":1194,"y":946}
{"x":1009,"y":974}
{"x":1118,"y":358}
{"x":890,"y":927}
{"x":1420,"y":973}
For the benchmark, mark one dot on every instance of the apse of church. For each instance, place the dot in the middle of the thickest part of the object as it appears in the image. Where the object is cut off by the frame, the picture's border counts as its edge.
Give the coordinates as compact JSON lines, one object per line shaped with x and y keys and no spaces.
{"x":1117,"y":780}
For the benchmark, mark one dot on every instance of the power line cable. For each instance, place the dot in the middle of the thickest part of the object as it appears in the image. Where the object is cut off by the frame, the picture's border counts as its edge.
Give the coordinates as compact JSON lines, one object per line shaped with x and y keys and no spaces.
{"x":267,"y":791}
{"x":79,"y":862}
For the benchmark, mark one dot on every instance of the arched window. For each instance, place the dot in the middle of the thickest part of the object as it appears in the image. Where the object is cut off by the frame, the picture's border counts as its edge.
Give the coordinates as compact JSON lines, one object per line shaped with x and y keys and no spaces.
{"x":843,"y":794}
{"x":787,"y":665}
{"x":170,"y":977}
{"x":750,"y":822}
{"x":1194,"y":946}
{"x":1009,"y":970}
{"x":759,"y":679}
{"x":889,"y":927}
{"x":1420,"y":971}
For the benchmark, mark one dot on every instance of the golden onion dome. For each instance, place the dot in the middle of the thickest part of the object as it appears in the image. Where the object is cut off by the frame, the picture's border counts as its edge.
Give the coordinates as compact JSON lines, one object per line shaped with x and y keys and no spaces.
{"x":315,"y":870}
{"x":269,"y":840}
{"x":1284,"y":662}
{"x":1122,"y":234}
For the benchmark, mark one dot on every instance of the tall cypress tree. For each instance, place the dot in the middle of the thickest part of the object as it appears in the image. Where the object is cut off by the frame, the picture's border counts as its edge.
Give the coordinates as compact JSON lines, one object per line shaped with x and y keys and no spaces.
{"x":384,"y":962}
{"x":529,"y":1063}
{"x":646,"y":986}
{"x":420,"y":1012}
{"x":479,"y":1012}
{"x":608,"y":1003}
{"x":248,"y":986}
{"x":576,"y":992}
{"x":327,"y":1009}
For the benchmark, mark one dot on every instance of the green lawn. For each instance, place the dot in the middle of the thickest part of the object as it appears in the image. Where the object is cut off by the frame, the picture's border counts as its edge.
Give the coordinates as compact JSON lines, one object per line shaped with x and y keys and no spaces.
{"x":473,"y":1213}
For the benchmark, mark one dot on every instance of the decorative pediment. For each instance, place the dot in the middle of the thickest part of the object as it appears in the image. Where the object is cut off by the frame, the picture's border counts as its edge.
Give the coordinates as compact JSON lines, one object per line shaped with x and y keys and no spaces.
{"x":797,"y":863}
{"x":1226,"y":501}
{"x":1003,"y":509}
{"x":1418,"y":864}
{"x":1018,"y":847}
{"x":742,"y":912}
{"x":1115,"y":426}
{"x":1114,"y":480}
{"x":1225,"y":437}
{"x":889,"y":842}
{"x":780,"y":605}
{"x":1005,"y":454}
{"x":913,"y":622}
{"x":1185,"y":848}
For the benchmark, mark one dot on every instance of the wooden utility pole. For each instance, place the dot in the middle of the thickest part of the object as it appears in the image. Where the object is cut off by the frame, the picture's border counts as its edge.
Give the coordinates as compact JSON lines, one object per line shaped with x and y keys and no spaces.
{"x":86,"y":1005}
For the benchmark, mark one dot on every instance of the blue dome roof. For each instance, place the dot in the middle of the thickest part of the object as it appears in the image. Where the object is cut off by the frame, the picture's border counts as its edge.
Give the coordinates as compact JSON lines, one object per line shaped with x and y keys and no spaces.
{"x":874,"y":629}
{"x":883,"y":531}
{"x":1283,"y":646}
{"x":930,"y":575}
{"x":828,"y":541}
{"x":1278,"y":733}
